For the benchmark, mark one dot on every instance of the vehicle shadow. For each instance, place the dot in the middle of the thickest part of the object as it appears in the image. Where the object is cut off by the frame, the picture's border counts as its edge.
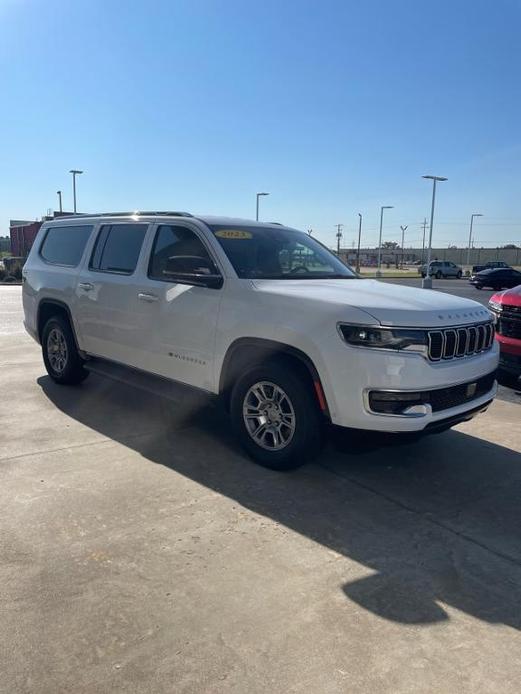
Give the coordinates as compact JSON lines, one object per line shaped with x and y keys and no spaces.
{"x":437,"y":522}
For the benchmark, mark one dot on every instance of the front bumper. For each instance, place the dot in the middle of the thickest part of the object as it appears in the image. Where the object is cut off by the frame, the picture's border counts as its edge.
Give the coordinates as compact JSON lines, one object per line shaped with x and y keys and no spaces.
{"x":360,"y":371}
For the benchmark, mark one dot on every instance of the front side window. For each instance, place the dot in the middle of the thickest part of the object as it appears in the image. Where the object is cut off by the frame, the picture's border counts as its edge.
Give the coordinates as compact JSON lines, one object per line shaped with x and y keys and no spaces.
{"x":178,"y":250}
{"x":64,"y":245}
{"x":278,"y":253}
{"x":117,"y":248}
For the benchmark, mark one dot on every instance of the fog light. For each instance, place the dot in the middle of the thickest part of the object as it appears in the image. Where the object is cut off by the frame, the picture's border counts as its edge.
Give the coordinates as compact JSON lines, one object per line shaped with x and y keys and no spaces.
{"x":385,"y":402}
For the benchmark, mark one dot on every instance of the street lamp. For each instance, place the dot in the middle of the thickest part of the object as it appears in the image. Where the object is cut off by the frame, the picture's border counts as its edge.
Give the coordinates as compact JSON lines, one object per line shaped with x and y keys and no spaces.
{"x":359,"y":237}
{"x":59,"y":194}
{"x":382,"y":208}
{"x":74,"y":172}
{"x":257,"y":211}
{"x":470,"y":235}
{"x":427,"y":280}
{"x":403,"y":228}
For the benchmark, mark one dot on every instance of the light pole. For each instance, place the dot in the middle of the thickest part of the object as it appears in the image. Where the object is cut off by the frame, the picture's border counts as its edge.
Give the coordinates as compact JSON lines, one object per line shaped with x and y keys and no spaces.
{"x":359,"y":237}
{"x":403,"y":228}
{"x":470,"y":235}
{"x":382,"y":208}
{"x":257,"y":209}
{"x":427,"y":280}
{"x":59,"y":194}
{"x":74,"y":172}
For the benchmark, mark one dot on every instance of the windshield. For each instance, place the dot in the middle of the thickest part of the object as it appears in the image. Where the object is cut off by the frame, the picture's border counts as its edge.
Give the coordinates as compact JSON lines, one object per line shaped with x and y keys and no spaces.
{"x":278,"y":253}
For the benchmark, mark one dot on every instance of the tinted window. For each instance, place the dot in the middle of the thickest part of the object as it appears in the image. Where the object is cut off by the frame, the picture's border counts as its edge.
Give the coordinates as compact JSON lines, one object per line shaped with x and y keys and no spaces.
{"x":179,"y":243}
{"x":117,"y":248}
{"x":278,"y":253}
{"x":65,"y":245}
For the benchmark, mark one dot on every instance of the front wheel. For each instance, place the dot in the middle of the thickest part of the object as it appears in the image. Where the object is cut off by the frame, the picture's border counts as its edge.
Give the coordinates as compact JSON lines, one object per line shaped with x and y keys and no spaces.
{"x":60,"y":354}
{"x":276,"y":417}
{"x":459,"y":275}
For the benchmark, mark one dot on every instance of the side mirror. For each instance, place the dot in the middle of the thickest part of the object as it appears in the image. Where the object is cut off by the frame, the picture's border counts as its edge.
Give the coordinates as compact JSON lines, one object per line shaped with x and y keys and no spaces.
{"x":192,"y":269}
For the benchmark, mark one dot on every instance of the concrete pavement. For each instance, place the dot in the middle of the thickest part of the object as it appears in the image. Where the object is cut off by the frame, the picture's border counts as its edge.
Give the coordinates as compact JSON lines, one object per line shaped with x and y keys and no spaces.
{"x":140,"y":551}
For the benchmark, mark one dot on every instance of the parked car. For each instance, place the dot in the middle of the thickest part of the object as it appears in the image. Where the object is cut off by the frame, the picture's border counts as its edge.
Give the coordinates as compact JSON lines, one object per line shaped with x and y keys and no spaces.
{"x":507,"y":308}
{"x":496,"y":279}
{"x":262,"y":316}
{"x":492,"y":265}
{"x":441,"y":268}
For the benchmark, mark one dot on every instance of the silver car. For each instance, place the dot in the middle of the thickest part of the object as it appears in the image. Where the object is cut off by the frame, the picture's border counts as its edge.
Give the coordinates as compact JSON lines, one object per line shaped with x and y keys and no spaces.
{"x":442,"y":268}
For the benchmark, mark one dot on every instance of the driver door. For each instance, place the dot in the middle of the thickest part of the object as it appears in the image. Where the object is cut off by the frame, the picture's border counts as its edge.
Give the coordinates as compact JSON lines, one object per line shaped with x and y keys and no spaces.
{"x":180,"y":318}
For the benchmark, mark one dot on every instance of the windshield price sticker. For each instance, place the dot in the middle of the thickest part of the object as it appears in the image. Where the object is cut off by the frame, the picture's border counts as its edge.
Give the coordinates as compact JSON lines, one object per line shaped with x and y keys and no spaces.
{"x":233,"y":234}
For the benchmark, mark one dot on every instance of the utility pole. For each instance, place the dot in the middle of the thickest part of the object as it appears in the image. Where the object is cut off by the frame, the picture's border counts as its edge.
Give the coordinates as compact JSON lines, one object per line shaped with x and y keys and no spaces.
{"x":403,"y":235}
{"x":424,"y":225}
{"x":59,"y":194}
{"x":338,"y":237}
{"x":359,"y":237}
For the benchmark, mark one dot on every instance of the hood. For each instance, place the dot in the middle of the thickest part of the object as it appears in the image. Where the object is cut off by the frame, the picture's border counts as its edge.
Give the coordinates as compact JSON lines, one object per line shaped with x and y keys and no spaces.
{"x":389,"y":304}
{"x":511,"y":297}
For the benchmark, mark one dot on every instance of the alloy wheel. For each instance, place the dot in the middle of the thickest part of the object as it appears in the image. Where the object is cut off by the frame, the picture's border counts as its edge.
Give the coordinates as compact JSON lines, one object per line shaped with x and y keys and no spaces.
{"x":57,"y":350}
{"x":269,"y":416}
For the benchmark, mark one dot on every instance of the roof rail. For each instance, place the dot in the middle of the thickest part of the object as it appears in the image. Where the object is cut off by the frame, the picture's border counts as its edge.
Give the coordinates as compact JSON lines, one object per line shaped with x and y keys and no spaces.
{"x":133,"y":213}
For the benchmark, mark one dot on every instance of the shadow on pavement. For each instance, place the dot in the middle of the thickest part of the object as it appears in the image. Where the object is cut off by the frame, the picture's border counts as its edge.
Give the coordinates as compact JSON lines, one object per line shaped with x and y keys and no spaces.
{"x":437,"y":522}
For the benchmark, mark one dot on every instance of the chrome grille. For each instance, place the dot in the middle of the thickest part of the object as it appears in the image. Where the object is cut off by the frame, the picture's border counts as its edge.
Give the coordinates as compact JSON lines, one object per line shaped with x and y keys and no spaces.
{"x":451,"y":343}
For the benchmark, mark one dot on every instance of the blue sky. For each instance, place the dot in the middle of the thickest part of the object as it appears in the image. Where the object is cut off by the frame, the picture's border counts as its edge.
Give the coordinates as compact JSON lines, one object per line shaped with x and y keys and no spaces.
{"x":333,"y":107}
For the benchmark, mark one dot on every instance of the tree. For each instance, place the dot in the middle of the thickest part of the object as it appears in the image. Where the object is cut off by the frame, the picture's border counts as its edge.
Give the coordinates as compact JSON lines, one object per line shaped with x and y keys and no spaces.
{"x":390,"y":245}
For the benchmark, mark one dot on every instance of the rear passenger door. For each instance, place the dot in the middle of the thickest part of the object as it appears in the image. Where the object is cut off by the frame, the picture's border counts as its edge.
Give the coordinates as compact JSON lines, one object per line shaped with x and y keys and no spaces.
{"x":106,"y":294}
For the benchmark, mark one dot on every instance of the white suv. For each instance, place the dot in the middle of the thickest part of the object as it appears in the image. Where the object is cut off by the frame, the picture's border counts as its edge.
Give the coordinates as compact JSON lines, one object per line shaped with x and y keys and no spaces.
{"x":263,"y":316}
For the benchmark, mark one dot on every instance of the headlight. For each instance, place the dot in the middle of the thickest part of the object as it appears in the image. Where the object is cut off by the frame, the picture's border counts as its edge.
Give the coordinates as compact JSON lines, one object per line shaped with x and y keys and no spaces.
{"x":494,"y":306}
{"x":384,"y":338}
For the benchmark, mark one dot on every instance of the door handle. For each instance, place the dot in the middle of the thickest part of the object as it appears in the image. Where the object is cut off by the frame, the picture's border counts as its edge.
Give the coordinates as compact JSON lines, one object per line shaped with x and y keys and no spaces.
{"x":143,"y":296}
{"x":86,"y":286}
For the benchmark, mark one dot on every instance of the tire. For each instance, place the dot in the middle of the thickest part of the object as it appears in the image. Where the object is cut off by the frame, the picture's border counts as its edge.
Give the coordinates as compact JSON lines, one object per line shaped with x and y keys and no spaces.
{"x":438,"y":275}
{"x":459,"y":275}
{"x":478,"y":286}
{"x":297,"y":404}
{"x":60,"y":354}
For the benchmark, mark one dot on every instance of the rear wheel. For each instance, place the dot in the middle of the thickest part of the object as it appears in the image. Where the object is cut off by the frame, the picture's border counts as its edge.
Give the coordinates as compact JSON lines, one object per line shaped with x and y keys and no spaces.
{"x":459,"y":275}
{"x":438,"y":275}
{"x":276,"y":417}
{"x":60,"y":354}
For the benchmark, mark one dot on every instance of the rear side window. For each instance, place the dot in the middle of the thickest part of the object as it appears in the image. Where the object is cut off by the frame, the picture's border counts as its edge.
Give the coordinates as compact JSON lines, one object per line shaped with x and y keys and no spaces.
{"x":65,"y":245}
{"x":117,"y":248}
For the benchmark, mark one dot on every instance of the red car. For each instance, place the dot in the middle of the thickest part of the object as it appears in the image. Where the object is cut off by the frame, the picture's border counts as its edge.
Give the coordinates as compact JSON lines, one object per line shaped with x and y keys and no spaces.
{"x":507,"y":308}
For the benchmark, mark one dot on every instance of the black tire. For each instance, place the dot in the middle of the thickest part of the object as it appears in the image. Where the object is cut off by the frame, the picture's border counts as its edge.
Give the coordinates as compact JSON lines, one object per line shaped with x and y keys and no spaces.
{"x":478,"y":286}
{"x":438,"y":275}
{"x":305,"y":441}
{"x":65,"y":366}
{"x":459,"y":275}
